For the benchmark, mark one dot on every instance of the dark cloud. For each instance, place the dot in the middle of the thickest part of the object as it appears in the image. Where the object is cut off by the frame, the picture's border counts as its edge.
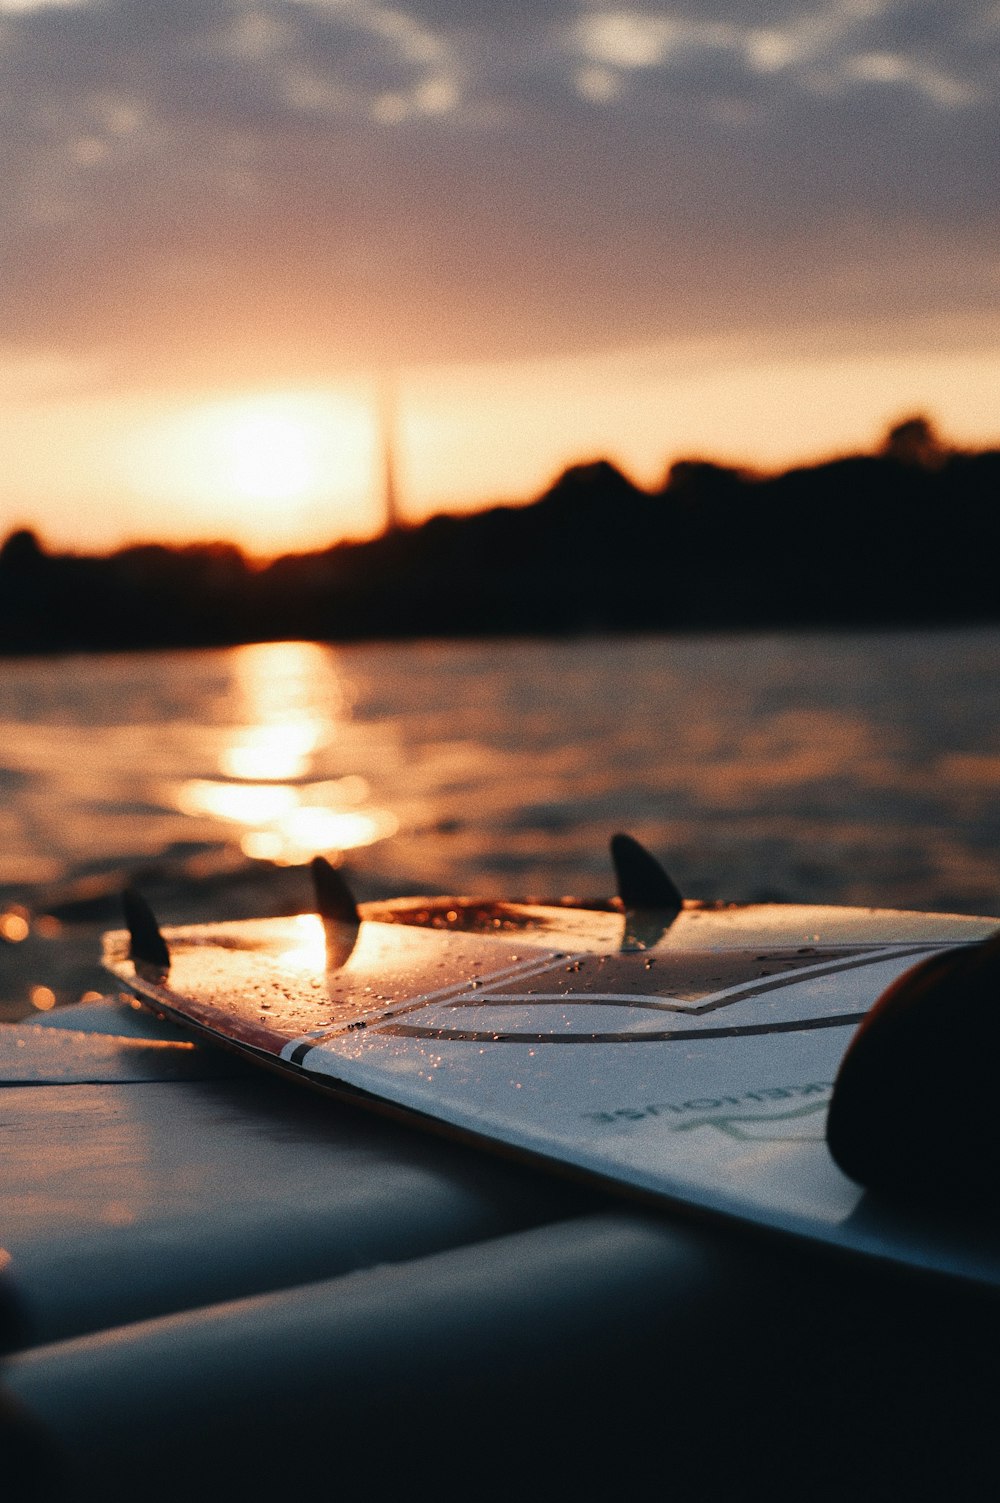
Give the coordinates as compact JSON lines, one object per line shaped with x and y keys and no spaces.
{"x":325,"y":181}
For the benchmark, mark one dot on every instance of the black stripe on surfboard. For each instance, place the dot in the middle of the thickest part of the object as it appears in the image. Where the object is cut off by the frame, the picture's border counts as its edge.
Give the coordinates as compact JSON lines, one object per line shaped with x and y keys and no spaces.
{"x":300,"y":1051}
{"x":663,"y":1036}
{"x":772,"y":983}
{"x":752,"y":989}
{"x":524,"y":970}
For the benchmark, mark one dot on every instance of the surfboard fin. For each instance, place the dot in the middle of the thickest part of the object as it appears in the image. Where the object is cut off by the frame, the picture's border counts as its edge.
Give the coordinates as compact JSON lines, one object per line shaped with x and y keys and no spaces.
{"x":648,"y":896}
{"x":148,"y":950}
{"x":339,"y":912}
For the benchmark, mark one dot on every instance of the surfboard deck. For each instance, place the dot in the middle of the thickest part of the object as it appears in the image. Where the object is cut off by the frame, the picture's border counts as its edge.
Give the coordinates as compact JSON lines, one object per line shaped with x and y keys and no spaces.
{"x":693,"y":1072}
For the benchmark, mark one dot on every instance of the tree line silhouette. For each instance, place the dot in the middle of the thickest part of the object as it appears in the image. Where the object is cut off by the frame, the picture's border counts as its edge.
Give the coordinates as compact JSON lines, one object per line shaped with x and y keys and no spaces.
{"x":907,"y":535}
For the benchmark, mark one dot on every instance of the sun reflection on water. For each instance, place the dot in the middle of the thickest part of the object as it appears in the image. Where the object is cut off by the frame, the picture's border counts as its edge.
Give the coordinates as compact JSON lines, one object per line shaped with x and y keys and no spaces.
{"x":274,"y":767}
{"x":271,"y":752}
{"x":243,"y":803}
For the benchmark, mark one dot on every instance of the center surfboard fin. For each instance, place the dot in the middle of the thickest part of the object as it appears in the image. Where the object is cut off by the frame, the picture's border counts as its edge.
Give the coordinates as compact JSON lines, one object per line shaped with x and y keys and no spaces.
{"x":338,"y":910}
{"x":650,"y":899}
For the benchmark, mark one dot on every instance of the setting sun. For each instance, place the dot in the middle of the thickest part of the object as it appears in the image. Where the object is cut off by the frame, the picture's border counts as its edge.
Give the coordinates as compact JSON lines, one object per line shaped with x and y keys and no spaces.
{"x":266,"y":468}
{"x":270,"y":451}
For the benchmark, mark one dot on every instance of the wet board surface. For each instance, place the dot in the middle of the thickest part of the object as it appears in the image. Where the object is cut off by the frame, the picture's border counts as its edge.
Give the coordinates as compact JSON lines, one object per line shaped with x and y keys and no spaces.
{"x":696,"y":1072}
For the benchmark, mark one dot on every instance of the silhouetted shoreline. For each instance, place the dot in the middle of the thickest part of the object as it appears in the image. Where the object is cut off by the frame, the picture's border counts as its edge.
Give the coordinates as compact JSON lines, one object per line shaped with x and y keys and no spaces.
{"x":908,"y":536}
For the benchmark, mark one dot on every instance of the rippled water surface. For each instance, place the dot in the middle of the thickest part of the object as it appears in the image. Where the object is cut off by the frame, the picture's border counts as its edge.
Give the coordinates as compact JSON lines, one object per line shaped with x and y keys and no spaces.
{"x":833,"y":768}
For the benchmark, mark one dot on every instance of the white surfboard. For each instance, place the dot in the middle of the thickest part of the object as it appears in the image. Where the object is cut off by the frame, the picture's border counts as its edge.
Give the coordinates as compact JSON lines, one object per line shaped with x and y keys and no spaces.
{"x":692,"y":1067}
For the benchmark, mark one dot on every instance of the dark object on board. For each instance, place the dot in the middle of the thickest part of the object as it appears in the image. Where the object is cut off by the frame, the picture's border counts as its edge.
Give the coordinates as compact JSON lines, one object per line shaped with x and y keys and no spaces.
{"x":147,"y":947}
{"x":649,"y":897}
{"x":914,"y":1111}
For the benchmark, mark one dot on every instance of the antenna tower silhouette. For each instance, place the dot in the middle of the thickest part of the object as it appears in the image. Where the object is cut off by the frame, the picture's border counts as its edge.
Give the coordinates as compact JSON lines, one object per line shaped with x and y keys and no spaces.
{"x":392,"y":520}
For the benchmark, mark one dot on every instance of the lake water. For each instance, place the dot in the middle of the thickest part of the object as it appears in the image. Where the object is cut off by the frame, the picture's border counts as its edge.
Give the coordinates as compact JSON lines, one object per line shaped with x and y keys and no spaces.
{"x":835,"y":768}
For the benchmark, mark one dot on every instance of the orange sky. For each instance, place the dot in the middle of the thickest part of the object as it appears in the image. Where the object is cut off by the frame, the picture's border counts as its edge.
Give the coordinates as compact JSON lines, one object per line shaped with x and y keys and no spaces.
{"x":640,"y":230}
{"x":278,"y":467}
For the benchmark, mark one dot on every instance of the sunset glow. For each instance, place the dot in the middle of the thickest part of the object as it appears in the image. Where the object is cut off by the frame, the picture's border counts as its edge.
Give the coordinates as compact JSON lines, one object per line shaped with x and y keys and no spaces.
{"x":287,"y":470}
{"x":260,"y":468}
{"x":561,"y":232}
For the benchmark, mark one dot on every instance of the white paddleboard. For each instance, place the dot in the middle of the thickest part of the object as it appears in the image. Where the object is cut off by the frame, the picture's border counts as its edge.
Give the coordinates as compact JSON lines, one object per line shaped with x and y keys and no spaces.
{"x":695,"y":1071}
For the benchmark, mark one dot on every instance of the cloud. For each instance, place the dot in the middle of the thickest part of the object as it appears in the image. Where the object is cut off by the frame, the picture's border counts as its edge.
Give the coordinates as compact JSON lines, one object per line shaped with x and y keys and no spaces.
{"x":193,"y":185}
